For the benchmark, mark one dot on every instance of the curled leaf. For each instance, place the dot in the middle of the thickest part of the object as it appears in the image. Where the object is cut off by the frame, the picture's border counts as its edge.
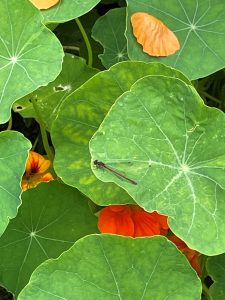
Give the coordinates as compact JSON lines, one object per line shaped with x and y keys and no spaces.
{"x":155,"y":37}
{"x":44,"y":4}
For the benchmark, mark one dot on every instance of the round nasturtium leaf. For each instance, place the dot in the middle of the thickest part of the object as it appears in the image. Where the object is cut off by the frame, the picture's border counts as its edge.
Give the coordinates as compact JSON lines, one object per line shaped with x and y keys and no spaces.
{"x":13,"y":155}
{"x":67,"y":10}
{"x":161,"y":135}
{"x":49,"y":98}
{"x":51,"y":218}
{"x":199,"y":27}
{"x":109,"y":31}
{"x":113,"y":267}
{"x":80,"y":116}
{"x":31,"y":55}
{"x":216,"y":270}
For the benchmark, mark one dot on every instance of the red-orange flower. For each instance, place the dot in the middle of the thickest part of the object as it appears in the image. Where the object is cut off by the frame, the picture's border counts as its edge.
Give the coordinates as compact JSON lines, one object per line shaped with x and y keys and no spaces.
{"x":192,"y":255}
{"x":131,"y":220}
{"x":36,"y":171}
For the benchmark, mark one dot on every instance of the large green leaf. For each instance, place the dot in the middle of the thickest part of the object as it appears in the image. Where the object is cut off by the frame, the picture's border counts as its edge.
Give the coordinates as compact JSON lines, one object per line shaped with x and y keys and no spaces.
{"x":216,"y":270}
{"x":67,"y":10}
{"x":161,"y":135}
{"x":111,"y":37}
{"x":199,"y":26}
{"x":52,"y":217}
{"x":79,"y":117}
{"x":74,"y":73}
{"x":114,"y":267}
{"x":13,"y":154}
{"x":31,"y":55}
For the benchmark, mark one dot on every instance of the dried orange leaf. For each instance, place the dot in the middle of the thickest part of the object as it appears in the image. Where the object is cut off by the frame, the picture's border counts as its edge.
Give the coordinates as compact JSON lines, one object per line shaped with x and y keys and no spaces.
{"x":155,"y":37}
{"x":44,"y":4}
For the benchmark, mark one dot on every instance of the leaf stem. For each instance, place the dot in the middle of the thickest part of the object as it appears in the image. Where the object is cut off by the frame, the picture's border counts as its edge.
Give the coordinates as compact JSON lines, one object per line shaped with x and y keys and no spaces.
{"x":210,"y":97}
{"x":42,"y":129}
{"x":35,"y":143}
{"x":9,"y":124}
{"x":73,"y":48}
{"x":206,"y":292}
{"x":86,"y":40}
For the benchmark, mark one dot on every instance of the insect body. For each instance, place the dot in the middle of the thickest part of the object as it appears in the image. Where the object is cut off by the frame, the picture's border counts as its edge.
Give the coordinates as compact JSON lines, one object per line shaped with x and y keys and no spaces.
{"x":102,"y":165}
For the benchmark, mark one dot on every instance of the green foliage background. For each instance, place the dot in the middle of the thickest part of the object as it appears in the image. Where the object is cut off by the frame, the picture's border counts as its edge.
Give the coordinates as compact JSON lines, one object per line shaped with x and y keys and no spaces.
{"x":147,"y":117}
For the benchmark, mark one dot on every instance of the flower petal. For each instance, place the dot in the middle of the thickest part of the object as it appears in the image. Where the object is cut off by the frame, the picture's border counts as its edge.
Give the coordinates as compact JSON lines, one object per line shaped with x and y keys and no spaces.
{"x":131,"y":220}
{"x":36,"y":163}
{"x":47,"y":177}
{"x":33,"y":180}
{"x":144,"y":224}
{"x":24,"y":185}
{"x":163,"y":222}
{"x":148,"y":224}
{"x":36,"y":167}
{"x":155,"y":37}
{"x":117,"y":222}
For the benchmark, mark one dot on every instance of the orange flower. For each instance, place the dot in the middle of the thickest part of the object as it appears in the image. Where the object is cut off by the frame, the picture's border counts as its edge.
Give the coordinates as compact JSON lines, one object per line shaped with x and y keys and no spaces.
{"x":155,"y":37}
{"x":131,"y":220}
{"x":44,"y":4}
{"x":192,"y":255}
{"x":36,"y":171}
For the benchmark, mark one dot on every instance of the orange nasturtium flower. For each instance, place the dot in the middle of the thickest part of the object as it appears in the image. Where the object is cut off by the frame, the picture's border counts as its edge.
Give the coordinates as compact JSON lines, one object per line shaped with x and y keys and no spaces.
{"x":134,"y":221}
{"x":131,"y":220}
{"x":192,"y":255}
{"x":44,"y":4}
{"x":155,"y":37}
{"x":36,"y":171}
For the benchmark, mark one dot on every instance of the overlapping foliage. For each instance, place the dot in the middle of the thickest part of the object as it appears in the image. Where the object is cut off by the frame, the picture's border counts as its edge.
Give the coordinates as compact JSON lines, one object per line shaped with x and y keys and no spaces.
{"x":142,"y":116}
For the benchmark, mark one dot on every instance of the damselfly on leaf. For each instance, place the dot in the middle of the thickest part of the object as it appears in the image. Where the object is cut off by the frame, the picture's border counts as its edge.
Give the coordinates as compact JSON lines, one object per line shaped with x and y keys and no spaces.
{"x":102,"y":165}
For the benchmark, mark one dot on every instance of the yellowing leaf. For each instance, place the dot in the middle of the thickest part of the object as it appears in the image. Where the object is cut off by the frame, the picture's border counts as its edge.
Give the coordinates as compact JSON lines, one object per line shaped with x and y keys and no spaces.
{"x":155,"y":37}
{"x":44,"y":4}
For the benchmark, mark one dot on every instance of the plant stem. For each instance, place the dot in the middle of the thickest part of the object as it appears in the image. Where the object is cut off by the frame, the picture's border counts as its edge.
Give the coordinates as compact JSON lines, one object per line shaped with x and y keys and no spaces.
{"x":9,"y":124}
{"x":211,"y":97}
{"x":73,"y":48}
{"x":206,"y":292}
{"x":35,"y":142}
{"x":42,"y":129}
{"x":87,"y":42}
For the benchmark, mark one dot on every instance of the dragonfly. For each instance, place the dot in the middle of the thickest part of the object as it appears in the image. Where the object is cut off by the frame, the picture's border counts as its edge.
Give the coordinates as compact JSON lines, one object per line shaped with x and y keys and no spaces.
{"x":102,"y":165}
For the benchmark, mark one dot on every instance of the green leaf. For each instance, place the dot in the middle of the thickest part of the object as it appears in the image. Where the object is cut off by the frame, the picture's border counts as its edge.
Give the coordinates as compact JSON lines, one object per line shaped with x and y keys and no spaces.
{"x":114,"y":267}
{"x":78,"y":119}
{"x":31,"y":55}
{"x":49,"y":98}
{"x":109,"y":31}
{"x":52,"y":217}
{"x":161,"y":135}
{"x":13,"y":154}
{"x":199,"y":27}
{"x":216,"y":270}
{"x":67,"y":10}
